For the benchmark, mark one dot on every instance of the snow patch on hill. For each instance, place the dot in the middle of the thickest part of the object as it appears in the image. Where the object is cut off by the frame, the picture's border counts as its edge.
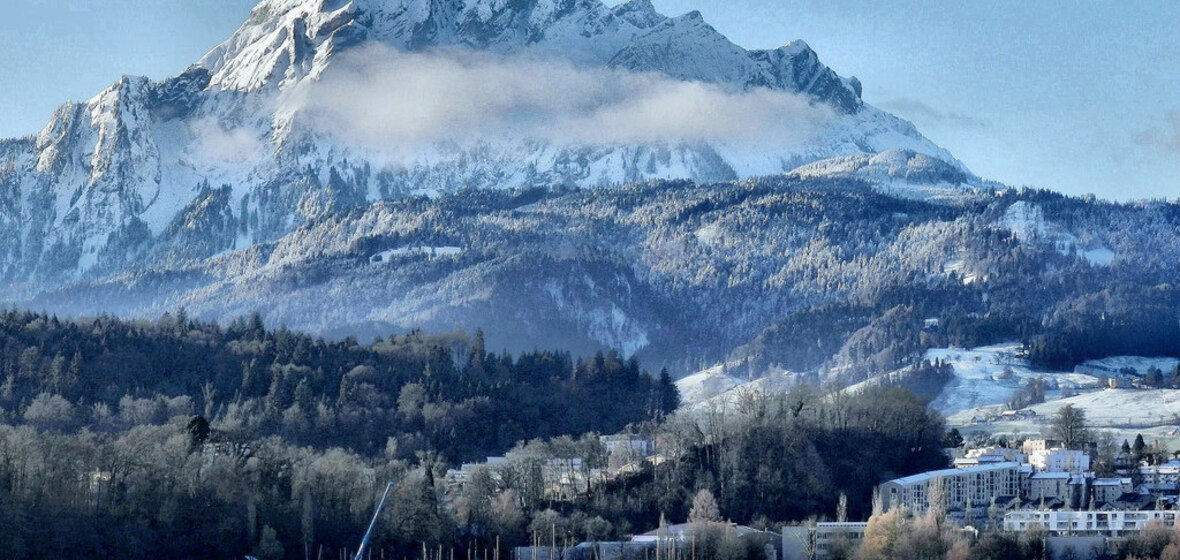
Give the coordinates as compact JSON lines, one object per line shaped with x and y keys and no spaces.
{"x":385,"y":256}
{"x":1026,"y":221}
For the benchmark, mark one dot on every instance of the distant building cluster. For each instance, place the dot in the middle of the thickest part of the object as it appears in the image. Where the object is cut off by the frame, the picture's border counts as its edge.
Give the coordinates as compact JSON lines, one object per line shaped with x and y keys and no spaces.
{"x":1040,"y":483}
{"x":562,"y":477}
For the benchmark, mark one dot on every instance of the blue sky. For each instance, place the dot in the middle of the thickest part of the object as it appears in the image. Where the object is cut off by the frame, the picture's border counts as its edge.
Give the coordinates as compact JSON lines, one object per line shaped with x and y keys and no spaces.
{"x":1081,"y":97}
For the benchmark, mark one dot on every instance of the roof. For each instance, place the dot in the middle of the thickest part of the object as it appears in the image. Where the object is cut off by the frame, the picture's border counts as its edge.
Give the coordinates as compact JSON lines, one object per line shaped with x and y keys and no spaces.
{"x":1050,"y":475}
{"x":1044,"y":504}
{"x":929,"y":475}
{"x":1131,"y":501}
{"x":682,"y":530}
{"x":1111,"y":481}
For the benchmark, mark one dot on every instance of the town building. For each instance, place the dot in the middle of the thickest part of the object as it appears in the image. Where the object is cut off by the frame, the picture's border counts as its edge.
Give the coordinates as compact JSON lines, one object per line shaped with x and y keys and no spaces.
{"x":989,"y":455}
{"x":1049,"y":485}
{"x":1110,"y":489}
{"x":1060,"y":460}
{"x":1095,"y":523}
{"x":818,"y":540}
{"x":1031,"y":446}
{"x":1167,"y":473}
{"x":971,"y":487}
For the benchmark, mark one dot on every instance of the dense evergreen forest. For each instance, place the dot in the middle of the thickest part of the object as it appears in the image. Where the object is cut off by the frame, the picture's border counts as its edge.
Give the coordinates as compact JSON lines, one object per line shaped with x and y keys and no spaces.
{"x":182,"y":439}
{"x":398,"y":395}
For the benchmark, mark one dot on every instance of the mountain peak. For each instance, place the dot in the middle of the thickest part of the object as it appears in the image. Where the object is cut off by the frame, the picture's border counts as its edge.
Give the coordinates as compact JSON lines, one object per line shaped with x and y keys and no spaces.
{"x":286,"y":41}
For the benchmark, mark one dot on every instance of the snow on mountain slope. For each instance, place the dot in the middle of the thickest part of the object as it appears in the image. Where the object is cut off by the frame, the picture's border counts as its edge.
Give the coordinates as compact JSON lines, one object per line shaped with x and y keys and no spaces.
{"x":986,"y":378}
{"x":897,"y":171}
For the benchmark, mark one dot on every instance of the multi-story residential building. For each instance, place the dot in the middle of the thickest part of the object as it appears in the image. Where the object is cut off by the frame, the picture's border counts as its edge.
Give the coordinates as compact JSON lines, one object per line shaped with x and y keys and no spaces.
{"x":1031,"y":446}
{"x":988,"y":455}
{"x":1098,"y":523}
{"x":1060,"y":460}
{"x":1167,"y":473}
{"x":972,"y":486}
{"x":1107,"y":490}
{"x":816,"y":542}
{"x":1049,"y":485}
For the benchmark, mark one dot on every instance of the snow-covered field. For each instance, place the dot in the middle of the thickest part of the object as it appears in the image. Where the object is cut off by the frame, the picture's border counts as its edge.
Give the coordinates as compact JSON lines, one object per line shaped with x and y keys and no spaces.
{"x":714,"y":387}
{"x":1114,"y":366}
{"x":704,"y":385}
{"x":986,"y":378}
{"x":991,"y":375}
{"x":1117,"y":408}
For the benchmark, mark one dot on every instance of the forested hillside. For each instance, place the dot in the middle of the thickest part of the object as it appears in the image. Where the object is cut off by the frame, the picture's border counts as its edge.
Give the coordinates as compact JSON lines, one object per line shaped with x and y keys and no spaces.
{"x":396,"y":396}
{"x":817,"y":275}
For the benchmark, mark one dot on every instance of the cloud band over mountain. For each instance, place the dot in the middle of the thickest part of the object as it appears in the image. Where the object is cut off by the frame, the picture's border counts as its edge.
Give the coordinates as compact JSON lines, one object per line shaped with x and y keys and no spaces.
{"x":389,"y":100}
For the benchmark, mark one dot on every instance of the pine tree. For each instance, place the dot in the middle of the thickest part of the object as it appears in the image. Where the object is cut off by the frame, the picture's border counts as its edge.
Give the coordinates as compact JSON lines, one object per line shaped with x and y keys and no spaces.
{"x":704,"y":508}
{"x":669,"y":394}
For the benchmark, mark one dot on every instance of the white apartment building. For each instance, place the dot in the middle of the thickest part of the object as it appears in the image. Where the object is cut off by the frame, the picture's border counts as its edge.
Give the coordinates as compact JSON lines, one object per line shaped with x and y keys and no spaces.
{"x":975,"y":486}
{"x":1060,"y":460}
{"x":988,"y":455}
{"x":1098,"y":523}
{"x":1167,"y":473}
{"x":1031,"y":446}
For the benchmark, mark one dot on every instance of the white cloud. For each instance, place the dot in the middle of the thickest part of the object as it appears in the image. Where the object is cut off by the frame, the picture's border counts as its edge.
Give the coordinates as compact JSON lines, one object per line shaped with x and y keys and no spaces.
{"x":381,"y":98}
{"x":216,"y":144}
{"x":1165,"y":138}
{"x":918,"y":110}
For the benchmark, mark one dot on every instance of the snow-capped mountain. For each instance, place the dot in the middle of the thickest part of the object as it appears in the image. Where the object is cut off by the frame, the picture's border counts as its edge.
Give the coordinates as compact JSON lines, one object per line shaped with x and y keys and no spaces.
{"x":224,"y":155}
